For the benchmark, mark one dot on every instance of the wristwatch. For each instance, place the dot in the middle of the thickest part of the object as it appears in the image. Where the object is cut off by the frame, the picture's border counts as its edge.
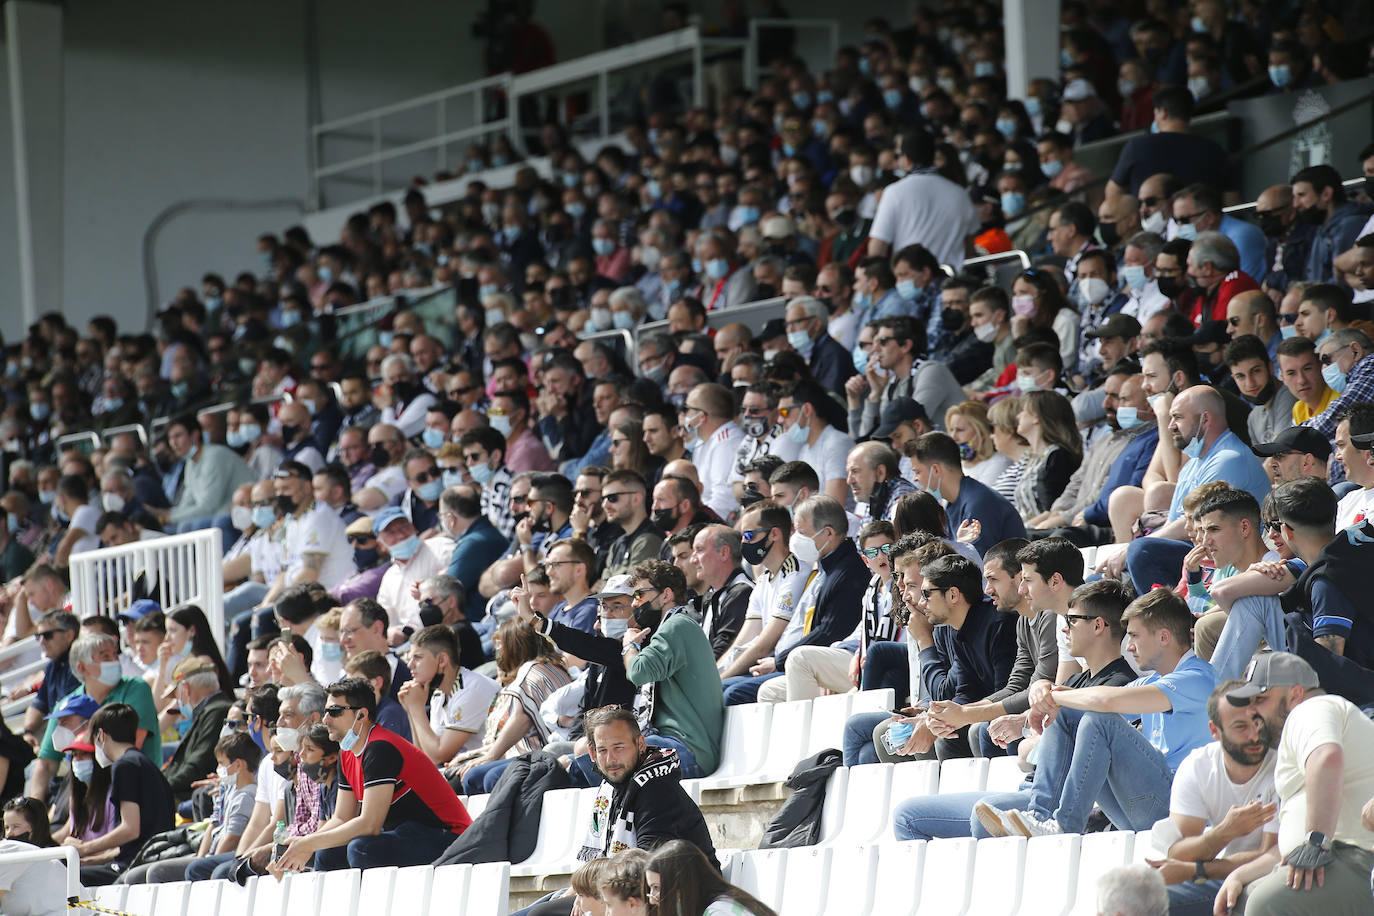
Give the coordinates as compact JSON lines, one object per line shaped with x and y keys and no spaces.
{"x":1320,"y":840}
{"x":1200,"y":874}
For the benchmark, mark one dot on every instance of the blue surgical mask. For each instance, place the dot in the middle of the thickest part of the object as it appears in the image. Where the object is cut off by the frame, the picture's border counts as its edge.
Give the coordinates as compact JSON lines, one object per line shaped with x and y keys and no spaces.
{"x":1134,"y":275}
{"x":1052,"y":168}
{"x":1187,"y":231}
{"x":249,"y":432}
{"x":907,"y":289}
{"x":430,"y":490}
{"x":404,"y":550}
{"x":501,"y":423}
{"x":290,"y":318}
{"x":110,"y":673}
{"x":717,"y":268}
{"x":82,"y":770}
{"x":481,"y":473}
{"x":747,"y":214}
{"x":1032,"y":104}
{"x":263,"y":516}
{"x":984,"y":68}
{"x":613,"y":628}
{"x":331,"y":651}
{"x":1013,"y":203}
{"x":575,"y":209}
{"x":40,"y":410}
{"x":798,"y":433}
{"x":801,"y":99}
{"x":1335,"y":378}
{"x":326,"y":274}
{"x":1194,"y":447}
{"x":892,"y":98}
{"x":349,"y":740}
{"x":625,"y":321}
{"x":1127,"y":417}
{"x":603,"y":247}
{"x":1286,"y":331}
{"x":860,"y":359}
{"x":1281,"y":75}
{"x":12,"y":523}
{"x":799,"y":340}
{"x":185,"y":709}
{"x":433,"y":438}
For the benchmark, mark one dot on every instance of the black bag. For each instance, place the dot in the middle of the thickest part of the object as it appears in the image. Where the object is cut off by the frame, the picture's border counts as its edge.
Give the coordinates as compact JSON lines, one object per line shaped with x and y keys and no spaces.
{"x":170,"y":844}
{"x":798,"y":821}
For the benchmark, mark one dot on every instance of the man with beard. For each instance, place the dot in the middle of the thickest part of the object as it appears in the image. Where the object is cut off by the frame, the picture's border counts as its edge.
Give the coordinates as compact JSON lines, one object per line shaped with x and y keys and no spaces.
{"x":676,"y":506}
{"x":565,"y":418}
{"x":1324,"y":775}
{"x":759,"y":420}
{"x":873,"y":473}
{"x":1221,"y":807}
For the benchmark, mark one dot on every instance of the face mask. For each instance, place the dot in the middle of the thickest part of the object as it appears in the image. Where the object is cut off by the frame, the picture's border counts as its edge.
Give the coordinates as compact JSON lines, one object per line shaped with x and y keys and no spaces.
{"x":717,"y":268}
{"x":263,"y":516}
{"x":365,"y":558}
{"x":1155,"y":223}
{"x":951,"y":319}
{"x":907,"y":289}
{"x":1194,"y":447}
{"x":185,"y":710}
{"x":248,"y":365}
{"x":1198,"y":25}
{"x":481,"y":473}
{"x":1313,"y":216}
{"x":967,"y":452}
{"x":614,"y":628}
{"x":326,"y":274}
{"x":755,"y":552}
{"x":1023,"y":305}
{"x":1288,"y":331}
{"x":1335,"y":378}
{"x":40,"y":411}
{"x":83,"y":770}
{"x":1052,"y":168}
{"x":317,"y":772}
{"x":656,"y":374}
{"x":501,"y":423}
{"x":575,"y":209}
{"x":799,"y":340}
{"x":495,"y":316}
{"x":804,"y":548}
{"x":112,"y":502}
{"x":1134,"y":275}
{"x":404,"y":550}
{"x":947,"y":83}
{"x":663,"y":519}
{"x":1127,"y":417}
{"x":1170,"y":287}
{"x":1199,"y":86}
{"x":62,"y":738}
{"x":1093,"y":290}
{"x":249,"y":432}
{"x":625,"y":321}
{"x":1187,"y":231}
{"x":291,"y":318}
{"x":222,"y":773}
{"x":110,"y":673}
{"x":1027,"y":383}
{"x":12,"y":523}
{"x":860,"y":359}
{"x":603,"y":247}
{"x":1126,"y":87}
{"x":1013,"y":203}
{"x":986,"y":332}
{"x":285,"y":505}
{"x":798,"y":433}
{"x":289,"y":432}
{"x":861,"y":175}
{"x":284,"y":769}
{"x":599,"y":319}
{"x":331,"y":651}
{"x":101,"y":757}
{"x":801,"y":99}
{"x":1281,"y":75}
{"x":430,"y":491}
{"x":289,"y":739}
{"x":349,"y":740}
{"x":984,"y":68}
{"x":892,"y":98}
{"x":433,"y":438}
{"x":755,"y":427}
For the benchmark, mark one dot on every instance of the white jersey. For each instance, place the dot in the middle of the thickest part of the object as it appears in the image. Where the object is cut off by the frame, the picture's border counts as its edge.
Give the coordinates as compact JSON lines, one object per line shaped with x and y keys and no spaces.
{"x":318,"y":531}
{"x":714,"y":460}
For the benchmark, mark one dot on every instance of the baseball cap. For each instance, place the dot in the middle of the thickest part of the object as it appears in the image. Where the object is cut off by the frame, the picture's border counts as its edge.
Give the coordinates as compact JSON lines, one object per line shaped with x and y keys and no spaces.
{"x":139,"y":609}
{"x":897,"y":412}
{"x":360,"y":525}
{"x":1275,"y":669}
{"x":1078,"y":90}
{"x":77,"y":705}
{"x":616,"y":587}
{"x":82,"y":743}
{"x":1118,"y":325}
{"x":1303,"y":439}
{"x":777,"y":227}
{"x":386,"y":517}
{"x":774,"y":328}
{"x":1209,"y":332}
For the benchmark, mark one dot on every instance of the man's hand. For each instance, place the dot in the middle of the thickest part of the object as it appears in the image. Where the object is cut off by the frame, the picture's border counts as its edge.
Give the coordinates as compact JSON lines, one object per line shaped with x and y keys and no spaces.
{"x":1242,"y":820}
{"x":854,"y":390}
{"x":1079,"y":521}
{"x":411,"y":696}
{"x":1004,"y":730}
{"x":1111,"y":567}
{"x":877,"y":379}
{"x":855,"y":668}
{"x":1367,"y":815}
{"x":970,"y":529}
{"x":1273,"y":569}
{"x":1231,"y":888}
{"x":299,"y":853}
{"x":580,"y":519}
{"x":949,"y":715}
{"x":921,"y":740}
{"x":633,"y":637}
{"x":520,"y":596}
{"x":918,"y":625}
{"x":396,"y":636}
{"x":286,"y":665}
{"x":1173,"y":871}
{"x":1307,"y":865}
{"x":524,"y":531}
{"x":548,"y":404}
{"x":79,"y":845}
{"x":764,"y":666}
{"x":1192,"y":561}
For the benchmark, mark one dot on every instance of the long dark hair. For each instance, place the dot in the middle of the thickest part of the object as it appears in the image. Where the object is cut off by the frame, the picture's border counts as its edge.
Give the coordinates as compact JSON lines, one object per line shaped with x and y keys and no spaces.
{"x":688,"y":882}
{"x":36,"y":813}
{"x":920,"y":511}
{"x":88,"y":801}
{"x":202,"y":642}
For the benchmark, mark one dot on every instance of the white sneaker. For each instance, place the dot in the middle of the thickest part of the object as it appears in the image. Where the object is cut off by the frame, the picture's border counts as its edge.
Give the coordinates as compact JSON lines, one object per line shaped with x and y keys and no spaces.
{"x":995,"y":821}
{"x":1025,"y":823}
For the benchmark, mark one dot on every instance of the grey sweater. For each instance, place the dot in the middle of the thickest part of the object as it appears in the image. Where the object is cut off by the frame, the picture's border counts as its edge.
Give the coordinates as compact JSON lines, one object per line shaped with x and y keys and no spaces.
{"x":1037,"y":659}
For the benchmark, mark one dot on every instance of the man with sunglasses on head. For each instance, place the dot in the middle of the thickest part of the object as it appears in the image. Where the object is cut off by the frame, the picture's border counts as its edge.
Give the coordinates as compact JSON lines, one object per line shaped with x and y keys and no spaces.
{"x":394,"y":807}
{"x":413,"y":559}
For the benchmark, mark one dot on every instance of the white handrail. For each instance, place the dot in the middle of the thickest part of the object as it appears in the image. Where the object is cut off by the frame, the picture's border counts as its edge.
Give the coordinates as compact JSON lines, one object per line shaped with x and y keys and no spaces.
{"x":1238,"y":208}
{"x":177,"y":569}
{"x":67,"y":853}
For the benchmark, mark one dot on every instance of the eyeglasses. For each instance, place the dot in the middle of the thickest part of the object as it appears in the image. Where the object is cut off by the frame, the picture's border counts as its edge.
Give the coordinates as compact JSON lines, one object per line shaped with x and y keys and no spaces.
{"x":883,"y":341}
{"x":927,"y":592}
{"x":785,"y":412}
{"x":872,"y":552}
{"x":753,"y":535}
{"x":1274,"y":525}
{"x":584,"y":494}
{"x":360,"y":538}
{"x":45,"y":635}
{"x":238,"y":725}
{"x":333,"y":712}
{"x":1072,"y":617}
{"x":1328,"y":358}
{"x":1185,"y":220}
{"x":641,"y":595}
{"x":548,"y":563}
{"x":1288,"y":317}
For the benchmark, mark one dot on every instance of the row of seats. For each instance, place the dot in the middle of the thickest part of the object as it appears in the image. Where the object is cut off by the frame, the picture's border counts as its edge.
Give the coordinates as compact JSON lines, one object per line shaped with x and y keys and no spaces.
{"x":480,"y":890}
{"x":1010,"y":876}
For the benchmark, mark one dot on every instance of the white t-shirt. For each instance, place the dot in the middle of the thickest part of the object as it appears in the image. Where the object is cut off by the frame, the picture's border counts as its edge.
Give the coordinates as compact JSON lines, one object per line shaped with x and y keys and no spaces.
{"x":266,"y":555}
{"x":805,"y":608}
{"x":827,"y":456}
{"x":775,"y":596}
{"x":929,"y":210}
{"x":318,"y":531}
{"x":714,"y":460}
{"x":1202,"y":789}
{"x":466,"y":707}
{"x":86,"y":518}
{"x":391,"y":481}
{"x":32,"y":888}
{"x":1326,"y":719}
{"x":751,"y":449}
{"x":394,"y":591}
{"x":271,"y":787}
{"x":1354,"y":507}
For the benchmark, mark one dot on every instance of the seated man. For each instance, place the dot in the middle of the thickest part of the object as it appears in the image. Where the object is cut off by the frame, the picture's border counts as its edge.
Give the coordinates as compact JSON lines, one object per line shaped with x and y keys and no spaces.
{"x":1091,"y":754}
{"x":458,"y":699}
{"x":1094,"y":635}
{"x":1222,"y":807}
{"x":765,"y":533}
{"x":393,"y":806}
{"x":204,"y":705}
{"x":938,"y":468}
{"x":138,"y":792}
{"x":1229,"y":538}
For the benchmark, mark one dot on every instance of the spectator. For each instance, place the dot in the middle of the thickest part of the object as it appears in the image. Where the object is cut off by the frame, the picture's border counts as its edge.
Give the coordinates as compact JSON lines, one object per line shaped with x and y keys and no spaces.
{"x":363,"y":627}
{"x":624,"y":498}
{"x":1252,"y":371}
{"x":55,"y":631}
{"x":806,"y":323}
{"x":477,"y":544}
{"x":211,"y":473}
{"x":924,"y":208}
{"x":716,"y":552}
{"x":708,"y":418}
{"x":1197,"y":209}
{"x":372,"y":666}
{"x":805,"y":411}
{"x":571,"y":565}
{"x":412,"y":561}
{"x":1319,"y":200}
{"x":394,"y":807}
{"x":873,"y":473}
{"x":203,"y":706}
{"x":1048,"y":425}
{"x":1300,"y":368}
{"x":509,"y":415}
{"x":1214,"y":265}
{"x":682,"y":879}
{"x":458,"y":699}
{"x":971,"y":505}
{"x":1191,"y":159}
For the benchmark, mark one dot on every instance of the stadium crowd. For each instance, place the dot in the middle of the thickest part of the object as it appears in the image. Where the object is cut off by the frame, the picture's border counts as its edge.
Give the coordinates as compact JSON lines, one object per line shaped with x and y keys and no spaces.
{"x":502,"y":551}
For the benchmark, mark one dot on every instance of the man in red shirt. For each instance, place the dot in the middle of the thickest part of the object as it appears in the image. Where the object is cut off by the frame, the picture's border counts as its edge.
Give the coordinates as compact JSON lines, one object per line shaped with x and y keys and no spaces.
{"x":408,"y":814}
{"x":1214,"y":270}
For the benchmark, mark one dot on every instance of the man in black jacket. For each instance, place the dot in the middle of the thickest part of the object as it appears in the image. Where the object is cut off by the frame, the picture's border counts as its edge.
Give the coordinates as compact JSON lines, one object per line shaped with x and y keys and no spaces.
{"x":196,"y":685}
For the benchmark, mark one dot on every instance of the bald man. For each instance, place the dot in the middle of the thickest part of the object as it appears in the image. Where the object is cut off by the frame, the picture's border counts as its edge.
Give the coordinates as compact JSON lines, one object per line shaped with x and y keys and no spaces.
{"x":731,"y":341}
{"x":1253,"y":312}
{"x":1118,"y":218}
{"x":1156,"y":202}
{"x":1197,"y":423}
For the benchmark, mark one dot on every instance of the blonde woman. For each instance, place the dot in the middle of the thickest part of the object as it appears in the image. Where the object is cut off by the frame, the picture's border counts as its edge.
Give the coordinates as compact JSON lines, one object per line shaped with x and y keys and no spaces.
{"x":1055,"y":450}
{"x":967,"y":424}
{"x":1008,"y":442}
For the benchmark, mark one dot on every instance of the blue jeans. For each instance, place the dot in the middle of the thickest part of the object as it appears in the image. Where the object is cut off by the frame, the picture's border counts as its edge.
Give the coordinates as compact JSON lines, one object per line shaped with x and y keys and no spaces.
{"x":244,"y":597}
{"x":1155,"y":561}
{"x":410,"y":843}
{"x":745,"y":689}
{"x":1251,"y":619}
{"x":1189,"y":899}
{"x":858,"y":737}
{"x":1098,"y":757}
{"x":929,"y":817}
{"x":886,"y":665}
{"x":204,"y":869}
{"x":482,"y":779}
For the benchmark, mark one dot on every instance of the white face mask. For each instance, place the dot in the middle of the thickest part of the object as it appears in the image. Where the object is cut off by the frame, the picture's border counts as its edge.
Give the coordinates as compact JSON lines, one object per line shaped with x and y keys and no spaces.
{"x":804,"y":547}
{"x":986,"y":332}
{"x":101,"y":757}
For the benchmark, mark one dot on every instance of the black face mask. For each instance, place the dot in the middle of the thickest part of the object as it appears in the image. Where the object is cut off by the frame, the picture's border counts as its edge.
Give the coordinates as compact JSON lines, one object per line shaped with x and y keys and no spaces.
{"x":317,"y":772}
{"x":755,"y":552}
{"x":430,"y":614}
{"x":951,"y":319}
{"x":365,"y":558}
{"x":1271,"y":224}
{"x":542,"y":524}
{"x":285,"y":505}
{"x":20,"y":837}
{"x":846,"y":218}
{"x":379,"y":456}
{"x":1265,"y":395}
{"x":1313,"y":216}
{"x":766,"y":291}
{"x":648,"y":617}
{"x":289,"y":432}
{"x":1109,"y":234}
{"x":1170,"y":287}
{"x":286,"y":769}
{"x":663,"y":519}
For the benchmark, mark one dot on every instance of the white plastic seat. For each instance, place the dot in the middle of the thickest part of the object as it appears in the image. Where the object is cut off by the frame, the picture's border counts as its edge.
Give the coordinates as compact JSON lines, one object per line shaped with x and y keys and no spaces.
{"x":141,"y":898}
{"x":807,"y":879}
{"x":1004,"y":775}
{"x":476,"y":804}
{"x":836,"y":798}
{"x":1089,"y":559}
{"x":902,"y":868}
{"x":111,"y":896}
{"x":1051,"y":875}
{"x":1145,"y":848}
{"x":872,"y":701}
{"x":867,"y":806}
{"x":450,"y":887}
{"x":853,"y":875}
{"x":171,"y":899}
{"x":488,"y":890}
{"x":968,"y":774}
{"x":410,"y":894}
{"x":743,"y":740}
{"x":693,"y":789}
{"x":204,"y":898}
{"x":237,"y":900}
{"x":340,"y":892}
{"x":761,"y":873}
{"x":374,"y":893}
{"x":1099,"y":852}
{"x":952,"y":861}
{"x":828,"y":716}
{"x":788,"y":729}
{"x":269,"y":896}
{"x":558,"y":834}
{"x":999,"y":868}
{"x":303,"y":892}
{"x":912,"y":779}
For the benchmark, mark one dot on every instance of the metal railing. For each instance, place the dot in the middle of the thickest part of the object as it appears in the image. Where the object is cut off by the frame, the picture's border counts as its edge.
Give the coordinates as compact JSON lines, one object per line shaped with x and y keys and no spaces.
{"x":367,"y":128}
{"x":67,"y":854}
{"x":751,"y":52}
{"x":1348,"y":184}
{"x":173,"y":570}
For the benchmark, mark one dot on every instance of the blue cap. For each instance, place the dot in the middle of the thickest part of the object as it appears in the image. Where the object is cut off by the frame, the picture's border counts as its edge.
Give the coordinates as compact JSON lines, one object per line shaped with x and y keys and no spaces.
{"x":139,"y":609}
{"x":76,"y":705}
{"x":386,"y":517}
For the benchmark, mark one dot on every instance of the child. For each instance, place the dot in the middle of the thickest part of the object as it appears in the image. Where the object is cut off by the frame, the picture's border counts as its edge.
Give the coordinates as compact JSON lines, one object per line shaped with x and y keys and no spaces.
{"x":586,"y":888}
{"x":622,"y":884}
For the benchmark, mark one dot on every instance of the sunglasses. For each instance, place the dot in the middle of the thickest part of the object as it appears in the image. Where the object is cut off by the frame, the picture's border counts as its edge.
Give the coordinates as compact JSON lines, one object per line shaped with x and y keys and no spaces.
{"x":927,"y":592}
{"x":1072,"y":617}
{"x":612,"y":498}
{"x":427,"y":476}
{"x":360,"y":538}
{"x":753,"y":535}
{"x":872,"y":552}
{"x":641,"y":595}
{"x":333,"y":712}
{"x":1288,"y":317}
{"x":45,"y":635}
{"x":1328,"y":358}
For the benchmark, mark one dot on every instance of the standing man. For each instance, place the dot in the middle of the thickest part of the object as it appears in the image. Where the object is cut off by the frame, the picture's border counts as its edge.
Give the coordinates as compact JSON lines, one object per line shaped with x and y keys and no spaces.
{"x":924,"y":208}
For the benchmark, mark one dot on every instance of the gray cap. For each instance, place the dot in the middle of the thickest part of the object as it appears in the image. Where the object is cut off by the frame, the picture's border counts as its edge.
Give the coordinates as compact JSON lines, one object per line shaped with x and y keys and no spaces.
{"x":1275,"y":669}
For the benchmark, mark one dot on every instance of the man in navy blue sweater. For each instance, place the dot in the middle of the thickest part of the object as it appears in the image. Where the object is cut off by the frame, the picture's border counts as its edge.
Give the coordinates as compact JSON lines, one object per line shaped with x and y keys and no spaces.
{"x":937,"y":467}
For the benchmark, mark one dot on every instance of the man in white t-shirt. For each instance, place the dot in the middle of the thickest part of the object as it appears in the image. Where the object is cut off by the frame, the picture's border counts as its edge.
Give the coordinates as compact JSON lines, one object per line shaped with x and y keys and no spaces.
{"x":1222,"y":808}
{"x":31,"y":888}
{"x":72,"y":501}
{"x":458,"y":698}
{"x":924,"y":208}
{"x":802,"y":409}
{"x":316,"y":547}
{"x":412,"y":561}
{"x":765,"y":529}
{"x":1325,"y":776}
{"x":1358,"y":503}
{"x":708,"y":416}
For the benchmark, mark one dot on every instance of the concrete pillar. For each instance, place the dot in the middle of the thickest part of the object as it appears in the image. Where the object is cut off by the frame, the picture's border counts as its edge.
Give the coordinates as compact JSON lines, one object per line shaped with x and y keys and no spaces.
{"x":1032,"y":36}
{"x":34,"y":35}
